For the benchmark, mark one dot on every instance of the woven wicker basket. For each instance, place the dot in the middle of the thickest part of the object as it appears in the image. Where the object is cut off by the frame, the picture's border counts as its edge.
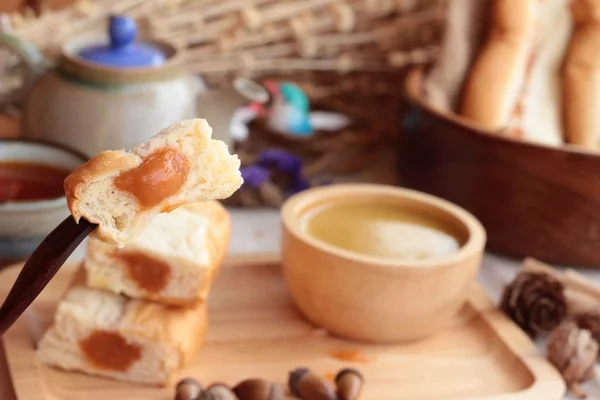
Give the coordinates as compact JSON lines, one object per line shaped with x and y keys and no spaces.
{"x":224,"y":38}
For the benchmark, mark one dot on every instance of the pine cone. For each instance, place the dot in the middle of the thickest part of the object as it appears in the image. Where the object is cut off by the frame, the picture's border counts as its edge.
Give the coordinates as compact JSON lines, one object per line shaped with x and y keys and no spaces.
{"x":535,"y":301}
{"x":591,"y":322}
{"x":573,"y":352}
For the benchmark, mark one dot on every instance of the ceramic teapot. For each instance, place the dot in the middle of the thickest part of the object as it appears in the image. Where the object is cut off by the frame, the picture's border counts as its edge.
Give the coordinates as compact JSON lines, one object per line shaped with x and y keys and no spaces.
{"x":110,"y":92}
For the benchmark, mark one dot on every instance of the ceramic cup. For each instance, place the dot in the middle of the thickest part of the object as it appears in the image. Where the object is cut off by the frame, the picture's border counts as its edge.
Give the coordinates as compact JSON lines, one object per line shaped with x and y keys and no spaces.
{"x":376,"y":299}
{"x":25,"y":223}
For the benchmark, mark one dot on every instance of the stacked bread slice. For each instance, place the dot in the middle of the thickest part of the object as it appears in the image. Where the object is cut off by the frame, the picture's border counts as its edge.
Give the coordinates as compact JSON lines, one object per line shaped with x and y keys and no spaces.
{"x":138,"y":312}
{"x":173,"y":262}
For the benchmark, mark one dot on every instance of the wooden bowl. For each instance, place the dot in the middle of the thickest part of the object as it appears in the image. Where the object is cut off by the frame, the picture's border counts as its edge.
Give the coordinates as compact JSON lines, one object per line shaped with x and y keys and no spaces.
{"x":375,"y":299}
{"x":533,"y":200}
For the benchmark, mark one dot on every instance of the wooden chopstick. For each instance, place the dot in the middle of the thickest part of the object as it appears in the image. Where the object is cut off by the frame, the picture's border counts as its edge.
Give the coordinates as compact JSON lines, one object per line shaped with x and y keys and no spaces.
{"x":41,"y":267}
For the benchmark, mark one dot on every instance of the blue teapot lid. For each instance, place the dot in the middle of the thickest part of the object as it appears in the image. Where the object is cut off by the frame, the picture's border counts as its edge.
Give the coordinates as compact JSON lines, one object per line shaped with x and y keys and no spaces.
{"x":123,"y":51}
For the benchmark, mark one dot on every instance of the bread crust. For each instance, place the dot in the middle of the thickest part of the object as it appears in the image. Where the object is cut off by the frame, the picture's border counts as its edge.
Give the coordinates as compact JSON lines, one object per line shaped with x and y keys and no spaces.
{"x":581,"y":77}
{"x":465,"y":28}
{"x":105,"y":164}
{"x":190,"y":275}
{"x":492,"y":88}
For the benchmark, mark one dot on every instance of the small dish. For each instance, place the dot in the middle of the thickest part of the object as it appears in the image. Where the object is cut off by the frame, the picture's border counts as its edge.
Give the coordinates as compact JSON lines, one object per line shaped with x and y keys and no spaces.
{"x":370,"y":298}
{"x":25,"y":223}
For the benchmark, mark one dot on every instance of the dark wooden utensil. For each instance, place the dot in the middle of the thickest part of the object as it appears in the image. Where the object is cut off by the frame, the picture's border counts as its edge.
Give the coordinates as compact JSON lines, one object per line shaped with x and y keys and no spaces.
{"x":41,"y":266}
{"x":533,"y":200}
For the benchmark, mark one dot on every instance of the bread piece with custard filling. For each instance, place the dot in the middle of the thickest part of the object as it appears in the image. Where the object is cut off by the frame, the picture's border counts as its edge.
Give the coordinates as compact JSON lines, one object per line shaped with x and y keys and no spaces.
{"x":123,"y":191}
{"x":104,"y":334}
{"x":174,"y":260}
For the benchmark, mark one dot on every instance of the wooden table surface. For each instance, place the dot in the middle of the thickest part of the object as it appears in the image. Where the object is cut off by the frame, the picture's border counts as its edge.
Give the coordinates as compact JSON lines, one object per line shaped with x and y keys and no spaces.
{"x":6,"y":388}
{"x":259,"y":231}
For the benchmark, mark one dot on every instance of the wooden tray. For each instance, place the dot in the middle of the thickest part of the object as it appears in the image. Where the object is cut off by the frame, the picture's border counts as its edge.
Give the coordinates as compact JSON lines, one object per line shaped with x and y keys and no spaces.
{"x":255,"y":331}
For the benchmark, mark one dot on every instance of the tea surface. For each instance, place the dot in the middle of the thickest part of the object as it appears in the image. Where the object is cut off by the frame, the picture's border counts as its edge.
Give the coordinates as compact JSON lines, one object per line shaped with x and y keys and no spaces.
{"x":382,"y":231}
{"x":21,"y":181}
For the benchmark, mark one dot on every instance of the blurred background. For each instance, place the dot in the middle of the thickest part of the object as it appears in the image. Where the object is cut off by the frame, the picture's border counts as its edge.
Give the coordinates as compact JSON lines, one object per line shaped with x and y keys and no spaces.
{"x":306,"y":92}
{"x":420,"y":94}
